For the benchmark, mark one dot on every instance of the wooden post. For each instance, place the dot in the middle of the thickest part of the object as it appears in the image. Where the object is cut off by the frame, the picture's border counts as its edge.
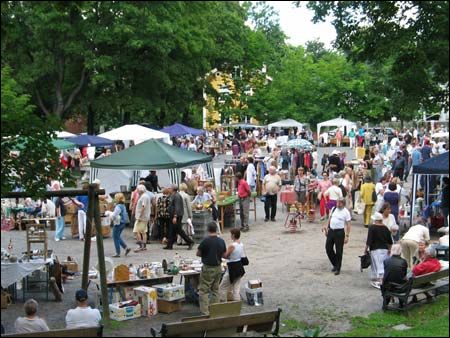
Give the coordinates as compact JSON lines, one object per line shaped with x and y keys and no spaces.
{"x":101,"y":260}
{"x":87,"y":236}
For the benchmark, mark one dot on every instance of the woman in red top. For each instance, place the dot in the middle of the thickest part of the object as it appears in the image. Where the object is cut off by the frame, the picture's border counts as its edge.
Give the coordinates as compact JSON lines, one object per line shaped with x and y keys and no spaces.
{"x":430,"y":263}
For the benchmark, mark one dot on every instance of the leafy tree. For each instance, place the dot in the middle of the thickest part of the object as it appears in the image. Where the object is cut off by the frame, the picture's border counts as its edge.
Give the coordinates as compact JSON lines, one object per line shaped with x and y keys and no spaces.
{"x":28,"y":160}
{"x":407,"y":39}
{"x":312,"y":89}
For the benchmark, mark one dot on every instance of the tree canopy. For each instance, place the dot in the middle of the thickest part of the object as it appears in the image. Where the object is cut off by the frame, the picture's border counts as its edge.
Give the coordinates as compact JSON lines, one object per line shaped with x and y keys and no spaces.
{"x":407,"y":39}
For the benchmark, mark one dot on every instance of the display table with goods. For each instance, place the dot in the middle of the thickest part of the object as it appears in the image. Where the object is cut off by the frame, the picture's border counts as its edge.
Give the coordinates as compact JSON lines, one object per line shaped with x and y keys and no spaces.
{"x":226,"y":207}
{"x":30,"y":273}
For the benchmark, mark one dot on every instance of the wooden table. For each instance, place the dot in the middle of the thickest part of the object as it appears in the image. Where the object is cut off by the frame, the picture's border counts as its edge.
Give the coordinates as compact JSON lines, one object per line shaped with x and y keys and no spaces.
{"x":230,"y":201}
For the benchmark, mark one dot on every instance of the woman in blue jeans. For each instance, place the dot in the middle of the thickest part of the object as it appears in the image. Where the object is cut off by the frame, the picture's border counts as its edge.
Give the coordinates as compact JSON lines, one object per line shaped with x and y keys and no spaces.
{"x":120,"y":218}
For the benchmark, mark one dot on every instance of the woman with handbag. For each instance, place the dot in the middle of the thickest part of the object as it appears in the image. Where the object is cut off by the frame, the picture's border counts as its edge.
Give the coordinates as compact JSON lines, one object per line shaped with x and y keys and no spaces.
{"x":323,"y":186}
{"x":231,"y":281}
{"x":120,"y":218}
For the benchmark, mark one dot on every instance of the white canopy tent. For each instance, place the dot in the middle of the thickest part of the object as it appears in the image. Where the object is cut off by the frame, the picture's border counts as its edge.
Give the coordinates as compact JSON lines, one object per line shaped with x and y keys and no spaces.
{"x":64,"y":134}
{"x":288,"y":123}
{"x":135,"y":133}
{"x":338,"y":122}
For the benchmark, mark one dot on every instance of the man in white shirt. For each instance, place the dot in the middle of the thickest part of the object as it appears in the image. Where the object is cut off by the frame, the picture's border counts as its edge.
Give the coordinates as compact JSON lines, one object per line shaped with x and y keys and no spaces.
{"x":83,"y":315}
{"x":410,"y":242}
{"x":337,"y":231}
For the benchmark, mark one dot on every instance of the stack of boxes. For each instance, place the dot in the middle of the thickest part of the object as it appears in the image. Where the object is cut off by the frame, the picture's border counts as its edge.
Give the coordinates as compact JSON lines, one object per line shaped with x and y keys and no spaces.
{"x":170,"y":297}
{"x":254,"y":292}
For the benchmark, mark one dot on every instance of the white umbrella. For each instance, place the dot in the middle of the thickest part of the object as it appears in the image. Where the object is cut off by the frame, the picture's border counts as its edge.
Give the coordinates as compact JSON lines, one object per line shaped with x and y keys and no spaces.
{"x":64,"y":134}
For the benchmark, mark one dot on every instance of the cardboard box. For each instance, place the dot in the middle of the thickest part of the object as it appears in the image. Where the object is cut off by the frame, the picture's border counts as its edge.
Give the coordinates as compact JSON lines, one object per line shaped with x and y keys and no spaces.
{"x":254,"y":296}
{"x":147,"y":297}
{"x":168,"y":307}
{"x":124,"y":313}
{"x":72,"y":266}
{"x":71,"y":208}
{"x":170,"y":292}
{"x":254,"y":284}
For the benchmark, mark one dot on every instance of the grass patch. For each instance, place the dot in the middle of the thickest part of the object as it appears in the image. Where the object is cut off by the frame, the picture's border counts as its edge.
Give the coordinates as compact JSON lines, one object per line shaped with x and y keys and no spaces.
{"x":426,"y":320}
{"x":290,"y":325}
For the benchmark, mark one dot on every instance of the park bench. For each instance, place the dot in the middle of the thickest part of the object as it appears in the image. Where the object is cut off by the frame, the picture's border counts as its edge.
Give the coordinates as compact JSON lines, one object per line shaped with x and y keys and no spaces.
{"x":267,"y":322}
{"x":425,"y":284}
{"x":80,"y":332}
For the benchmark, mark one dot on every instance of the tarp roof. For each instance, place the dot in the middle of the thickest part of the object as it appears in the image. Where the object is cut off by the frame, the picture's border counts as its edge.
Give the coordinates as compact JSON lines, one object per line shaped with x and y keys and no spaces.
{"x":152,"y":154}
{"x":94,"y":141}
{"x":288,"y":123}
{"x":179,"y":129}
{"x":434,"y":166}
{"x":136,"y":133}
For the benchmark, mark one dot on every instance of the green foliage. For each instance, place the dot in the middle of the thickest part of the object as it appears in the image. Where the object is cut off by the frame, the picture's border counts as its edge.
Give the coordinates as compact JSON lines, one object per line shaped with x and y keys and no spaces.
{"x":29,"y":159}
{"x":426,"y":320}
{"x":408,"y":38}
{"x":123,"y":62}
{"x":315,"y":84}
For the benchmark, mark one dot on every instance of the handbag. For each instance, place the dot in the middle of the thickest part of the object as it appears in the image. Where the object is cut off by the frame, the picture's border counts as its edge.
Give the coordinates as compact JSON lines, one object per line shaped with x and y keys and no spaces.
{"x":244,"y":259}
{"x":366,"y":261}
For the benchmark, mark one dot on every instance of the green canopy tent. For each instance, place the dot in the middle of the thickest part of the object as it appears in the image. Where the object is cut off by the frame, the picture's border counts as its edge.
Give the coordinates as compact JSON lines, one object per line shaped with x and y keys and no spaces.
{"x":63,"y":144}
{"x":151,"y":155}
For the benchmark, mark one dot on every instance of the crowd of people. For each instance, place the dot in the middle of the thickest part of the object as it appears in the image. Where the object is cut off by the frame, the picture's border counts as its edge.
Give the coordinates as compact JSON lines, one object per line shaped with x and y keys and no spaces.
{"x":336,"y":187}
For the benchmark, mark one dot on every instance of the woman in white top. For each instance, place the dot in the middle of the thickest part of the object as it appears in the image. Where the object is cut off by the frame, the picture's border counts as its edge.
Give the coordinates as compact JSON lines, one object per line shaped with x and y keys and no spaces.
{"x":231,"y":281}
{"x":380,"y":188}
{"x":333,"y":193}
{"x":389,"y":220}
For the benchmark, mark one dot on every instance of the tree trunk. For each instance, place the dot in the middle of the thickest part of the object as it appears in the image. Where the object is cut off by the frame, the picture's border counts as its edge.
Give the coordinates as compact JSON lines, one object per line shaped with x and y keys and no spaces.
{"x":91,"y":120}
{"x":126,"y":117}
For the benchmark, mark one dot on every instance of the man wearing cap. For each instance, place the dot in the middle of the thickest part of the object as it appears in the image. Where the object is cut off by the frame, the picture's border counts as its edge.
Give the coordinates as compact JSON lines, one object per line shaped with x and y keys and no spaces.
{"x":176,"y":211}
{"x":337,"y":231}
{"x":83,"y":315}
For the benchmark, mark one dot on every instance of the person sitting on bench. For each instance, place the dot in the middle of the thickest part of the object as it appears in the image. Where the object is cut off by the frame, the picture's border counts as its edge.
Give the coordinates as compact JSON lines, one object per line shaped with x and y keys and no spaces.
{"x":429,"y":264}
{"x":395,"y":270}
{"x":31,"y":322}
{"x":83,"y":315}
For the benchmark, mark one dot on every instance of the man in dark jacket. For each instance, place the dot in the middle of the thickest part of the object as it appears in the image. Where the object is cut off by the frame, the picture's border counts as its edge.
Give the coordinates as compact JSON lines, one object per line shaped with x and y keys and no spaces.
{"x":176,"y":211}
{"x":395,"y":270}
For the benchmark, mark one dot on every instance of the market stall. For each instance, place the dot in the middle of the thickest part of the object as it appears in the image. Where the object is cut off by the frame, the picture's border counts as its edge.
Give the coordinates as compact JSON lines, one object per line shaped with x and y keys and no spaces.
{"x":339,"y":122}
{"x":435,"y":166}
{"x":288,"y":123}
{"x":135,"y":133}
{"x":122,"y":170}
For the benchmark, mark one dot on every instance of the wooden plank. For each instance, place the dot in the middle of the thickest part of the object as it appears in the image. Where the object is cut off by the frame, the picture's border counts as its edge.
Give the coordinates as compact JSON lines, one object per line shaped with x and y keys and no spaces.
{"x":225,"y":309}
{"x":253,"y":319}
{"x":430,"y":277}
{"x":436,"y":285}
{"x":81,"y":332}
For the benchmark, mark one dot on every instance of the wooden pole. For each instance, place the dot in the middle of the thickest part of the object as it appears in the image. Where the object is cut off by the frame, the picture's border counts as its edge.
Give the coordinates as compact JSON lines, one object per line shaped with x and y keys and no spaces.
{"x":87,"y":236}
{"x":101,"y":260}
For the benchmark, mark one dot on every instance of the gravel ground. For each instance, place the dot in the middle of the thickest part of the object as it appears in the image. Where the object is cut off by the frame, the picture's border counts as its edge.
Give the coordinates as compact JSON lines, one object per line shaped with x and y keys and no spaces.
{"x":294,"y":269}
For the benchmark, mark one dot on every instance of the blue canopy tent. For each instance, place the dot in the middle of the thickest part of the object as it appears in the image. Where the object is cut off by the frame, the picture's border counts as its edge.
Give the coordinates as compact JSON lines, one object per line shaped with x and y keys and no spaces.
{"x":435,"y":166}
{"x":178,"y":129}
{"x":94,"y":141}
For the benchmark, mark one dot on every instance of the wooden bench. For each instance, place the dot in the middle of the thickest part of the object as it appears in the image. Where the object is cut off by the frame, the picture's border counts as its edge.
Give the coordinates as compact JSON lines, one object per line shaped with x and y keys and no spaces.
{"x":267,"y":322}
{"x":80,"y":332}
{"x":425,"y":284}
